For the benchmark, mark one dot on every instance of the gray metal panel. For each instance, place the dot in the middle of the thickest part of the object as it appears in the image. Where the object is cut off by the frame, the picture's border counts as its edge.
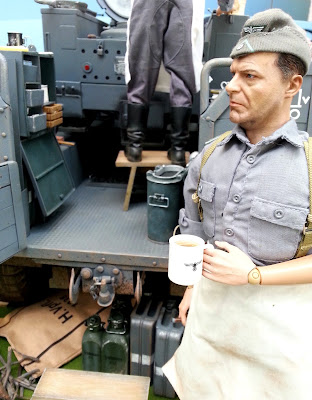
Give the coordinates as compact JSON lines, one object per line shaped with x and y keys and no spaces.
{"x":48,"y":172}
{"x":55,"y":22}
{"x":69,"y":94}
{"x":85,"y":23}
{"x":5,"y":197}
{"x":6,"y":217}
{"x":8,"y":236}
{"x":102,"y":97}
{"x":4,"y":176}
{"x":71,"y":157}
{"x":221,"y":35}
{"x":91,"y":227}
{"x":18,"y":205}
{"x":7,"y":147}
{"x":12,"y":222}
{"x":105,"y":58}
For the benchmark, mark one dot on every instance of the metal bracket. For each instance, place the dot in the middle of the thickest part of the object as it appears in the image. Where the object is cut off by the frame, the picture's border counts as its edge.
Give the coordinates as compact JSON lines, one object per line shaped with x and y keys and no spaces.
{"x":101,"y":282}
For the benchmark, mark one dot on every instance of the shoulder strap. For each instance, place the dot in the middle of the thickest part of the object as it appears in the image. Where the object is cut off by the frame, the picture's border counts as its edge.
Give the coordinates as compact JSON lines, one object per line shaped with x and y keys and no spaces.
{"x":306,"y":241}
{"x":206,"y":155}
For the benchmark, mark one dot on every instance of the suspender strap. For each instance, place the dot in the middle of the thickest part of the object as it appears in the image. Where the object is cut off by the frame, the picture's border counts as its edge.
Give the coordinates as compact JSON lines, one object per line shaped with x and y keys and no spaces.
{"x":206,"y":155}
{"x":306,"y":242}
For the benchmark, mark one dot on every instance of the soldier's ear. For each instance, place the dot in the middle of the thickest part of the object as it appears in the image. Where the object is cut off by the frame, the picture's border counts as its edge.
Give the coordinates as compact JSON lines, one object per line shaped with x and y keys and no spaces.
{"x":294,"y":85}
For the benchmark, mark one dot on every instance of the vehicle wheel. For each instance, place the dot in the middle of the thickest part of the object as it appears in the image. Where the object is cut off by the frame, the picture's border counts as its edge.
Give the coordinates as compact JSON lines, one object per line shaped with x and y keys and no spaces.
{"x":23,"y":285}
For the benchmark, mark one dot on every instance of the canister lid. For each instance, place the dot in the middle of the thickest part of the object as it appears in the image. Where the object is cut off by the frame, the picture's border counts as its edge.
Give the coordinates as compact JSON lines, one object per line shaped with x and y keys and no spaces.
{"x":94,"y":323}
{"x":166,"y":174}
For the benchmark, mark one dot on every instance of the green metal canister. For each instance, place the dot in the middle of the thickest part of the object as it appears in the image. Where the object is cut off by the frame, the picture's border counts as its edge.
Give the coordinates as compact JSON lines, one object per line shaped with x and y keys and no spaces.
{"x":91,"y":344}
{"x":115,"y":345}
{"x":164,"y":199}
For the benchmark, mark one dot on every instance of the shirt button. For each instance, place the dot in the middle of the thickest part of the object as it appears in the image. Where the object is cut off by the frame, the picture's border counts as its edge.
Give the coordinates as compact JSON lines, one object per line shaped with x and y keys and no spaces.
{"x":278,"y":214}
{"x":229,"y":232}
{"x":236,"y":198}
{"x":250,"y":159}
{"x":200,"y":188}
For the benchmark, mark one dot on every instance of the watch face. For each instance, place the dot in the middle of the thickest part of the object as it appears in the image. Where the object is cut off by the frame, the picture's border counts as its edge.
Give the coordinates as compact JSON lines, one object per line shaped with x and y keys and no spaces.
{"x":120,"y":7}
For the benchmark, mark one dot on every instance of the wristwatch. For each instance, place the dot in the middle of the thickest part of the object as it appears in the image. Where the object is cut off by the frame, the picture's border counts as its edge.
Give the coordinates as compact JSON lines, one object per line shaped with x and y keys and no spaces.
{"x":254,"y":277}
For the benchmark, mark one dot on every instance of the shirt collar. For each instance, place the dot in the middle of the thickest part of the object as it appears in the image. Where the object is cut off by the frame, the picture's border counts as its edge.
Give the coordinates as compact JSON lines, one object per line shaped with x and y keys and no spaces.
{"x":288,"y":131}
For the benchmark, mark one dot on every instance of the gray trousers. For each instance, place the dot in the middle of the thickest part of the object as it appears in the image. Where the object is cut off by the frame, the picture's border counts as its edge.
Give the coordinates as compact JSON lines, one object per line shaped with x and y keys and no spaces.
{"x":160,"y":30}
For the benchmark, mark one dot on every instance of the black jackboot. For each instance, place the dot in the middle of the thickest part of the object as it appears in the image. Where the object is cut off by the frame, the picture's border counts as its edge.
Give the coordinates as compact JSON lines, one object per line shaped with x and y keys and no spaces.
{"x":180,"y":118}
{"x":137,"y":122}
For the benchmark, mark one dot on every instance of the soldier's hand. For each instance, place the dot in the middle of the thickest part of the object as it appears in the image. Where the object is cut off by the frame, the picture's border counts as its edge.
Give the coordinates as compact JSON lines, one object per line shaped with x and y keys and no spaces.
{"x":185,"y":305}
{"x":227,"y":264}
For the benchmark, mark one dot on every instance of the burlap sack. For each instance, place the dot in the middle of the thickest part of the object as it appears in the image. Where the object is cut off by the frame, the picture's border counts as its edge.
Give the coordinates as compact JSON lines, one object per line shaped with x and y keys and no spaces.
{"x":50,"y":330}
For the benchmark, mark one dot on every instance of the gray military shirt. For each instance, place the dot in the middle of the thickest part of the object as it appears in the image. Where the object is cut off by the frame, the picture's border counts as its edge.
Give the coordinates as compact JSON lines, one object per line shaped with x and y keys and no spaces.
{"x":254,"y":196}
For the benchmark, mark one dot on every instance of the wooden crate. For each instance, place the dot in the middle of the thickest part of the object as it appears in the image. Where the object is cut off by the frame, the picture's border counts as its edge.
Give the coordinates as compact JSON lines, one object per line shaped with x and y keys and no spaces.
{"x":66,"y":384}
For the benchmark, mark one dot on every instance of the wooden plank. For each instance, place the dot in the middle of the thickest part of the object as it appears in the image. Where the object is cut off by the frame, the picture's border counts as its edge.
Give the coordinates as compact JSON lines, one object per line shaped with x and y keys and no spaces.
{"x":129,"y":188}
{"x":53,"y":108}
{"x":52,"y":124}
{"x":54,"y":115}
{"x":150,"y":158}
{"x":65,"y":384}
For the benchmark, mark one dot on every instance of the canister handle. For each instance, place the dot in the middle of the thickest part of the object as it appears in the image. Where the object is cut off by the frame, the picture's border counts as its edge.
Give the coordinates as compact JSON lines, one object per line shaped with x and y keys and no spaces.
{"x":159,"y":198}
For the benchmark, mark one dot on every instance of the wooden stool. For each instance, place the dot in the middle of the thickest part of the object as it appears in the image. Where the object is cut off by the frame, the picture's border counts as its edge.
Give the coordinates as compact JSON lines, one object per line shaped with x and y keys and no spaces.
{"x":150,"y":158}
{"x":66,"y":384}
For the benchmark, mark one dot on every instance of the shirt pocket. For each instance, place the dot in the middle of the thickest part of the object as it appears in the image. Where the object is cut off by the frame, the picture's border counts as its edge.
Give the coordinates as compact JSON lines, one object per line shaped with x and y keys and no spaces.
{"x":274,"y":230}
{"x":206,"y":193}
{"x":190,"y":227}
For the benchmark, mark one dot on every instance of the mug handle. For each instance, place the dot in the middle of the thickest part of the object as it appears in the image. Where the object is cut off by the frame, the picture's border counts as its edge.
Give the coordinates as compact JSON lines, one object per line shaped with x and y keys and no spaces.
{"x":175,"y":229}
{"x":208,"y":245}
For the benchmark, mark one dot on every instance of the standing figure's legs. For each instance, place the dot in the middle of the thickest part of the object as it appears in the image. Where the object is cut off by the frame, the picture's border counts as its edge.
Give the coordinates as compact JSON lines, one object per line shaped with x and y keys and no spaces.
{"x":162,"y":30}
{"x":148,"y":22}
{"x":178,"y":61}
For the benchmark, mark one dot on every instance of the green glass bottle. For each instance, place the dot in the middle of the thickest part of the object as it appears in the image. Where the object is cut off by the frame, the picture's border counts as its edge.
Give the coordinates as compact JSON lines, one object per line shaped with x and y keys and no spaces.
{"x":115,"y":345}
{"x":91,"y":344}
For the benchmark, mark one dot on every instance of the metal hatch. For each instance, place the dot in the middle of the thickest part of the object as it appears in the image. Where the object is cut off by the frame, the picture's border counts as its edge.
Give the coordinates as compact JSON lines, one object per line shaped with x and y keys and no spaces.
{"x":118,"y":10}
{"x":48,"y":172}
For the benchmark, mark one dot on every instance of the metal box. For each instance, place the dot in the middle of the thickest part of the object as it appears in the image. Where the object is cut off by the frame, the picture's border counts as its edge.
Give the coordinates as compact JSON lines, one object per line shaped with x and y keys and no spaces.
{"x":34,"y":97}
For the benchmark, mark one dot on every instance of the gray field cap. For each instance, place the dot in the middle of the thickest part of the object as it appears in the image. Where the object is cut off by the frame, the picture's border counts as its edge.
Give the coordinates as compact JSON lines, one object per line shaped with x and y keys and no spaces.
{"x":273,"y":31}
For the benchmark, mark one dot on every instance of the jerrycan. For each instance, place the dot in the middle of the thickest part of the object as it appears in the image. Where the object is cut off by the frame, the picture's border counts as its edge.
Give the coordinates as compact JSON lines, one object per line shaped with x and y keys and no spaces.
{"x":115,"y":345}
{"x":167,"y":339}
{"x":91,"y":344}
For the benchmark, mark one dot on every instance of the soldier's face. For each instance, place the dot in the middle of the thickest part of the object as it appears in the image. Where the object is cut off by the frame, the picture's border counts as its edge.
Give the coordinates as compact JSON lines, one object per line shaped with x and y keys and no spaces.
{"x":256,"y":91}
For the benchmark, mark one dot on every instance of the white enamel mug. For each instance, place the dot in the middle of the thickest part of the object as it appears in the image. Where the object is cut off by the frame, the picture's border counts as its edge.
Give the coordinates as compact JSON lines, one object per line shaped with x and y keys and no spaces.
{"x":185,"y":261}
